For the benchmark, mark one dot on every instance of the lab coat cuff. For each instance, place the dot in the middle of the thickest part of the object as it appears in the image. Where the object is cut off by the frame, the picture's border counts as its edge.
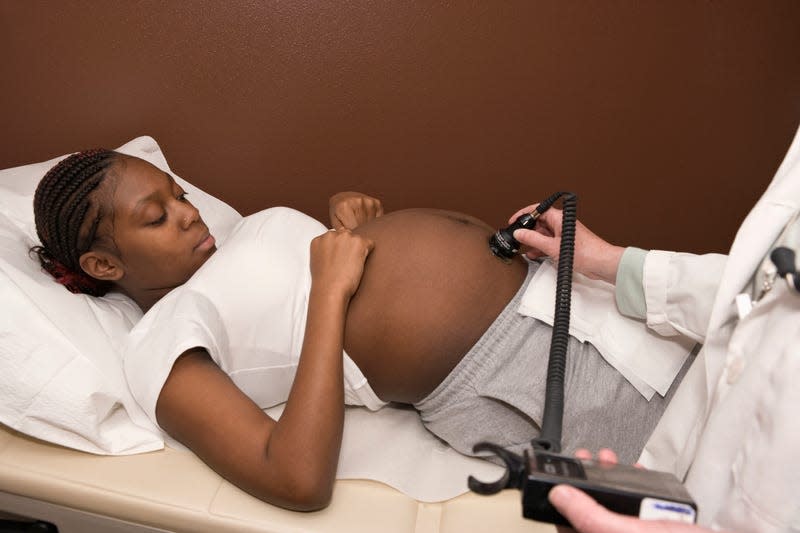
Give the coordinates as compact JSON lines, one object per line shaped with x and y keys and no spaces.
{"x":629,"y":291}
{"x":655,"y":283}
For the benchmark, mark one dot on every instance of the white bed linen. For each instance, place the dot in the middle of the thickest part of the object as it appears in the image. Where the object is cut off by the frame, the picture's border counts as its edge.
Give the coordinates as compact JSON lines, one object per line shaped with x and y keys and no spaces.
{"x":648,"y":361}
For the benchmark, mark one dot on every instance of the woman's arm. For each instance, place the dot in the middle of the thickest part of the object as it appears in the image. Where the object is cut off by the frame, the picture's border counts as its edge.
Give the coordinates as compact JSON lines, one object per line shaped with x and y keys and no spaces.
{"x":349,"y":210}
{"x":290,"y":462}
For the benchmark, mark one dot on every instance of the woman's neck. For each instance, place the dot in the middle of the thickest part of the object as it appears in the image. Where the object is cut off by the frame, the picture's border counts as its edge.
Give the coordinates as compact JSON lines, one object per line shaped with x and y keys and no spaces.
{"x":146,"y":298}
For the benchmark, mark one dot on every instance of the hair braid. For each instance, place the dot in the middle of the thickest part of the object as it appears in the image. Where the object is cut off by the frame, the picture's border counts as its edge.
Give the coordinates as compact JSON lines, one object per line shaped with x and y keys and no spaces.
{"x":61,"y":204}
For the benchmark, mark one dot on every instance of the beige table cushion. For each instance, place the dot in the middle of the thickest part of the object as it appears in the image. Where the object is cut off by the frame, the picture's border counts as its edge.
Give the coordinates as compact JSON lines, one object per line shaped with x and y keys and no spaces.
{"x":173,"y":490}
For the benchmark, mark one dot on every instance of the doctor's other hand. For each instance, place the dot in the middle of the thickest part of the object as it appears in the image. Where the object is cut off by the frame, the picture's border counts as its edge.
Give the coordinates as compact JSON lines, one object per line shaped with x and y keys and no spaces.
{"x":350,"y":209}
{"x":594,"y":257}
{"x":588,"y":516}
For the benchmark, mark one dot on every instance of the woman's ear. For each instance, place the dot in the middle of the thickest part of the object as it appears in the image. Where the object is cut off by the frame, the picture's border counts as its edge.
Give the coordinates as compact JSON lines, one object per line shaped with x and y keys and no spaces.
{"x":101,"y":265}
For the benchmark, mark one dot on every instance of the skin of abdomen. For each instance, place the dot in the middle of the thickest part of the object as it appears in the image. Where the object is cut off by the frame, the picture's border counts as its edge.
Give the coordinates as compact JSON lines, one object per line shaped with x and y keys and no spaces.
{"x":430,"y":289}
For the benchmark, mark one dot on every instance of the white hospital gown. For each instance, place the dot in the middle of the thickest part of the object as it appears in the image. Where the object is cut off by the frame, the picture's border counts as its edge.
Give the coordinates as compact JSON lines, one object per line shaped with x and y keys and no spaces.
{"x":247,"y":307}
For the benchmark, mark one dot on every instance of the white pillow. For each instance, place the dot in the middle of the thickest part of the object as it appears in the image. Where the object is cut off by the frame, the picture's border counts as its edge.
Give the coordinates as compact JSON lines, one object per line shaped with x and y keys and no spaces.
{"x":61,"y":376}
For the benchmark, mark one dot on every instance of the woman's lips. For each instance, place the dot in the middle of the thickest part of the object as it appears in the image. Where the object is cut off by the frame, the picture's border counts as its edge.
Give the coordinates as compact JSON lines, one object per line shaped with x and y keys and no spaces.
{"x":206,"y":243}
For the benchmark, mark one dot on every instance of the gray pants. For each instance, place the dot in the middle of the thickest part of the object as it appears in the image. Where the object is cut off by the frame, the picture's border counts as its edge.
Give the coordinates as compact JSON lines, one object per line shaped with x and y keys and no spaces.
{"x":496,"y":393}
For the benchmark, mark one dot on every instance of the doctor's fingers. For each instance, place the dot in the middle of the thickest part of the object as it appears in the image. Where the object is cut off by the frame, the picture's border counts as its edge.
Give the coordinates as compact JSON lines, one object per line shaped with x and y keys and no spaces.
{"x":604,"y":455}
{"x":521,"y":212}
{"x":538,"y":243}
{"x":550,"y":219}
{"x":588,"y":516}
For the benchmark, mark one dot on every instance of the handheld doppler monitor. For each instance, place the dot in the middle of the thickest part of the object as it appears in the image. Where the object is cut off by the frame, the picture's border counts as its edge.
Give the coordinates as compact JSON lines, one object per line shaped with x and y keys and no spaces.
{"x":624,"y":489}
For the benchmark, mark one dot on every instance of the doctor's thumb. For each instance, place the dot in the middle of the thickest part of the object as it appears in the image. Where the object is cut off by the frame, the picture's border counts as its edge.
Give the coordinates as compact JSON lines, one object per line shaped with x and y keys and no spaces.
{"x":585,"y":514}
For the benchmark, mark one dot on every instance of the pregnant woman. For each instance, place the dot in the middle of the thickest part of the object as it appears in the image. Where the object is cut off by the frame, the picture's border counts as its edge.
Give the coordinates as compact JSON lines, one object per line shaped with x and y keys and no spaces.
{"x":408,"y":307}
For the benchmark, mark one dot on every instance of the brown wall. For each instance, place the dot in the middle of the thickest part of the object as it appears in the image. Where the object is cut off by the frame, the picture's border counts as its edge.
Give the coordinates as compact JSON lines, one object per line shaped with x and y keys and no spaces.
{"x":667,"y":118}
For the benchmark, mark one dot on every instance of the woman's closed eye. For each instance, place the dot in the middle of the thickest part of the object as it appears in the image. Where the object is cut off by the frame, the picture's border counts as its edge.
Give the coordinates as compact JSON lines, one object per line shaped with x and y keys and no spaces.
{"x":181,"y":196}
{"x":160,"y":220}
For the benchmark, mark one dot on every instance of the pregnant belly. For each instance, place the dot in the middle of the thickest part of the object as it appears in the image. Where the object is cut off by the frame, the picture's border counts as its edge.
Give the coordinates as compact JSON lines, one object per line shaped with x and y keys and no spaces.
{"x":431,"y":287}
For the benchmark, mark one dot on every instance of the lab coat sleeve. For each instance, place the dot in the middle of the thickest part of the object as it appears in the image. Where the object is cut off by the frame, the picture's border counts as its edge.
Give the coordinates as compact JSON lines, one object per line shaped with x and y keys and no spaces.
{"x":679,"y":291}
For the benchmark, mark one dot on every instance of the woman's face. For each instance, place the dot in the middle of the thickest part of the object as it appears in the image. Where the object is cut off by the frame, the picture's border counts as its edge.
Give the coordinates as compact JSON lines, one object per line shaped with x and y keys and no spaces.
{"x":159,"y":235}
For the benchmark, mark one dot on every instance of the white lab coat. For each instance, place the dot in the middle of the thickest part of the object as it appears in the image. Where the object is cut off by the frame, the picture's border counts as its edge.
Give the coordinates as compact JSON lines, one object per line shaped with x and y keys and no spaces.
{"x":733,"y":427}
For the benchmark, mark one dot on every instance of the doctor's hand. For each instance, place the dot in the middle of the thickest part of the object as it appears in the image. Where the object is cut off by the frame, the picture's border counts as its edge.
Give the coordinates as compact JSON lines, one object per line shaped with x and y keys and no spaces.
{"x":351,"y":209}
{"x":588,"y":516}
{"x":594,"y":257}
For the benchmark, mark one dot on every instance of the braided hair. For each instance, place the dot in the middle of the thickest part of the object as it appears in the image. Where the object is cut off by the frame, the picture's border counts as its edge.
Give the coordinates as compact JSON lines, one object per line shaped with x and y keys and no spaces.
{"x":61,"y":206}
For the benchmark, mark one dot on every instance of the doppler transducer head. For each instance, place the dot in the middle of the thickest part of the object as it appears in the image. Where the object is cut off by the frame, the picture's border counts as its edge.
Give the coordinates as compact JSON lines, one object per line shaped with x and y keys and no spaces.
{"x":503,"y":244}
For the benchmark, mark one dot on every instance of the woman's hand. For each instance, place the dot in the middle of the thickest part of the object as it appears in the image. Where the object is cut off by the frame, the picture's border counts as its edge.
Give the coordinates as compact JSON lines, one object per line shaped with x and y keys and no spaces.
{"x":350,"y":209}
{"x":337,"y":260}
{"x":594,"y":257}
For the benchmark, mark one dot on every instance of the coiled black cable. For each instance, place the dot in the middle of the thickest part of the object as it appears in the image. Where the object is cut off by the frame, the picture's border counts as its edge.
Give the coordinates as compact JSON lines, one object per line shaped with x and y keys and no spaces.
{"x":504,"y":246}
{"x":552,"y":420}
